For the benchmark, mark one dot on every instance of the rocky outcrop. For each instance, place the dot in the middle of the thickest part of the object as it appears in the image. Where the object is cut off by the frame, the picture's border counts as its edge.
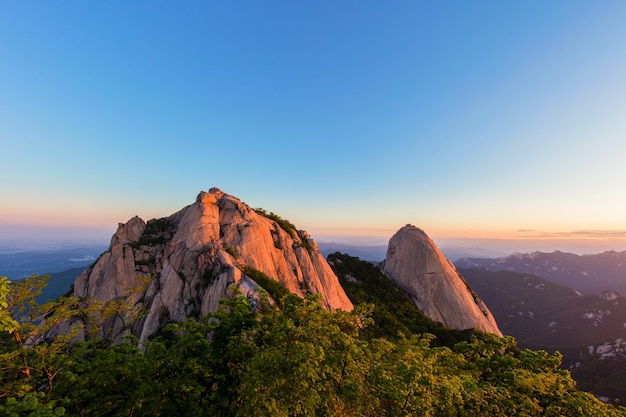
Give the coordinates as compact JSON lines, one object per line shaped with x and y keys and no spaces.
{"x":417,"y":266}
{"x":195,"y":257}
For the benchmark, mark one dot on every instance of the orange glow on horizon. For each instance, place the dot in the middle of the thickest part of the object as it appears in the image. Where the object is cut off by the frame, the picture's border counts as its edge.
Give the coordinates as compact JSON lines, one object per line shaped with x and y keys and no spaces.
{"x":476,"y":234}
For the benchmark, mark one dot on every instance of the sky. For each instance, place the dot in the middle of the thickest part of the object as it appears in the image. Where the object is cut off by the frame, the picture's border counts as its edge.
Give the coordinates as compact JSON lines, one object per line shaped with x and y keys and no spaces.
{"x":484,"y":123}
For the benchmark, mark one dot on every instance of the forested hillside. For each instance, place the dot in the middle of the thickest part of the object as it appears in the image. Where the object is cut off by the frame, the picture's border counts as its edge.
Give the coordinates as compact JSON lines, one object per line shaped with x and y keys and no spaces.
{"x":292,"y":358}
{"x":587,"y":329}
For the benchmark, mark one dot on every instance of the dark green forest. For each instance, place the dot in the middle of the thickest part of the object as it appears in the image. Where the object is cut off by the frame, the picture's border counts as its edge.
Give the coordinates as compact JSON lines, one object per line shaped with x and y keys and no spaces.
{"x":294,"y":358}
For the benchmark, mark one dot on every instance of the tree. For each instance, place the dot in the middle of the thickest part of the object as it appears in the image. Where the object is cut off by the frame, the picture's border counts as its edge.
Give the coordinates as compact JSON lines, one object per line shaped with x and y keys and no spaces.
{"x":254,"y":359}
{"x":7,"y":323}
{"x":31,"y":358}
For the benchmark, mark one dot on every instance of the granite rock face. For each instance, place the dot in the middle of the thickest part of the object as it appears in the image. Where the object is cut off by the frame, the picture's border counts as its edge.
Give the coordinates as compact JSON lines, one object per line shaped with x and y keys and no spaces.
{"x":195,"y":257}
{"x":417,"y":266}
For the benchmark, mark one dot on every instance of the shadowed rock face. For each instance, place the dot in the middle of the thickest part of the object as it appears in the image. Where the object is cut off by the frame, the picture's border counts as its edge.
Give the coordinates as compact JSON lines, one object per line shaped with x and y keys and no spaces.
{"x":415,"y":265}
{"x":197,"y":256}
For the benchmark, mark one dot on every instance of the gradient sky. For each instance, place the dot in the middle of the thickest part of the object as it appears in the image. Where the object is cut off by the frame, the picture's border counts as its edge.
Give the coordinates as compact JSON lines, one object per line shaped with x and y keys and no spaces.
{"x":469,"y":119}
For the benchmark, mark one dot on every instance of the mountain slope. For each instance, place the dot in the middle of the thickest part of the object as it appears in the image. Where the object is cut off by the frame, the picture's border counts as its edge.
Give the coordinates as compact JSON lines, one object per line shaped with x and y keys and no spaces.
{"x":589,"y":330}
{"x":541,"y":313}
{"x":199,"y":255}
{"x":394,"y":315}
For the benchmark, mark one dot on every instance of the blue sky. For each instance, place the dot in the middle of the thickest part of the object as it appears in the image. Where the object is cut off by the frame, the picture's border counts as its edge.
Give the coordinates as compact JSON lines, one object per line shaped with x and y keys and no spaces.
{"x":482,"y":119}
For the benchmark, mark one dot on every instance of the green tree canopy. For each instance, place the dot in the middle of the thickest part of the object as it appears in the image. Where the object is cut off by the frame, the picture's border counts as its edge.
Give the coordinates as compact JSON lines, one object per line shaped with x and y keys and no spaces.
{"x":255,"y":359}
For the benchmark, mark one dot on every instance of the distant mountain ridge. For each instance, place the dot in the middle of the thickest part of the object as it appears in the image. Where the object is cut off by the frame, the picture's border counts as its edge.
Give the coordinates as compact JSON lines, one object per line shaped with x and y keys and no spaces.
{"x":376,"y":253}
{"x":590,"y":274}
{"x":589,"y":330}
{"x":19,"y":265}
{"x":540,"y":313}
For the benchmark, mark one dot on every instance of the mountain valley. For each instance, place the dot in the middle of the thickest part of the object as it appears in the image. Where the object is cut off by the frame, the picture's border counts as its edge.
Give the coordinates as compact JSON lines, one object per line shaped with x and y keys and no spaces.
{"x":589,"y":330}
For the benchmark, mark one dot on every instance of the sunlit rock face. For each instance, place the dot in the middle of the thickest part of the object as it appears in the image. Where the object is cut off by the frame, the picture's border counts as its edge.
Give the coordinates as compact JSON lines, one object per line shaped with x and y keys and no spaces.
{"x":199,"y":255}
{"x":417,"y":266}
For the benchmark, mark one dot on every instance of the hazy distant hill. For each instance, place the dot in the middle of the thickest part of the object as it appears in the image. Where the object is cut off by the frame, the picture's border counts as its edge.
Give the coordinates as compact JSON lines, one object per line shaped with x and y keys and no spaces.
{"x":457,"y":252}
{"x":590,"y":274}
{"x":377,"y":253}
{"x":367,"y":253}
{"x":60,"y":283}
{"x":63,"y":266}
{"x":22,"y":264}
{"x":540,"y":313}
{"x":590,"y":330}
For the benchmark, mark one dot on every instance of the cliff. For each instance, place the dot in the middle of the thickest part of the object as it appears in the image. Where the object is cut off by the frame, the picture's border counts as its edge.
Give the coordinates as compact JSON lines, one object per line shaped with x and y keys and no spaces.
{"x":195,"y":257}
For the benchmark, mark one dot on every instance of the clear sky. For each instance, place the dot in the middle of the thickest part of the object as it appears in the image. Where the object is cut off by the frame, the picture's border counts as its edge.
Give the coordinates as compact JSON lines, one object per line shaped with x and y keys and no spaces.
{"x":469,"y":119}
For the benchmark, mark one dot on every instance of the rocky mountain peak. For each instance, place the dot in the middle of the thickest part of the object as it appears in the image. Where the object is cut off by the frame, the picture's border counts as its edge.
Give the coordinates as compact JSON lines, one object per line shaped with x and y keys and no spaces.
{"x":201,"y":254}
{"x":417,"y":266}
{"x":129,"y":231}
{"x":215,"y":191}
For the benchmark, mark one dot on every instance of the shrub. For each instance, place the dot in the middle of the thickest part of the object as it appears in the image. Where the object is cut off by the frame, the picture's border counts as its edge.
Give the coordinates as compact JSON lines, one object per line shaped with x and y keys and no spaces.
{"x":284,"y":224}
{"x":274,"y":288}
{"x":231,"y":252}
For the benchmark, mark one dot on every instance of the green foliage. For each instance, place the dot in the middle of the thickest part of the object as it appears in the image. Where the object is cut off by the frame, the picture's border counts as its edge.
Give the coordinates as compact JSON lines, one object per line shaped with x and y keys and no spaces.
{"x":274,"y":288}
{"x":299,"y":360}
{"x":284,"y":224}
{"x":231,"y":252}
{"x":102,"y":380}
{"x":157,"y":232}
{"x":287,"y":226}
{"x":26,"y":365}
{"x":158,"y":226}
{"x":31,"y":404}
{"x":394,"y":315}
{"x":525,"y":382}
{"x":36,"y":352}
{"x":305,"y":362}
{"x":306,"y":246}
{"x":7,"y":323}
